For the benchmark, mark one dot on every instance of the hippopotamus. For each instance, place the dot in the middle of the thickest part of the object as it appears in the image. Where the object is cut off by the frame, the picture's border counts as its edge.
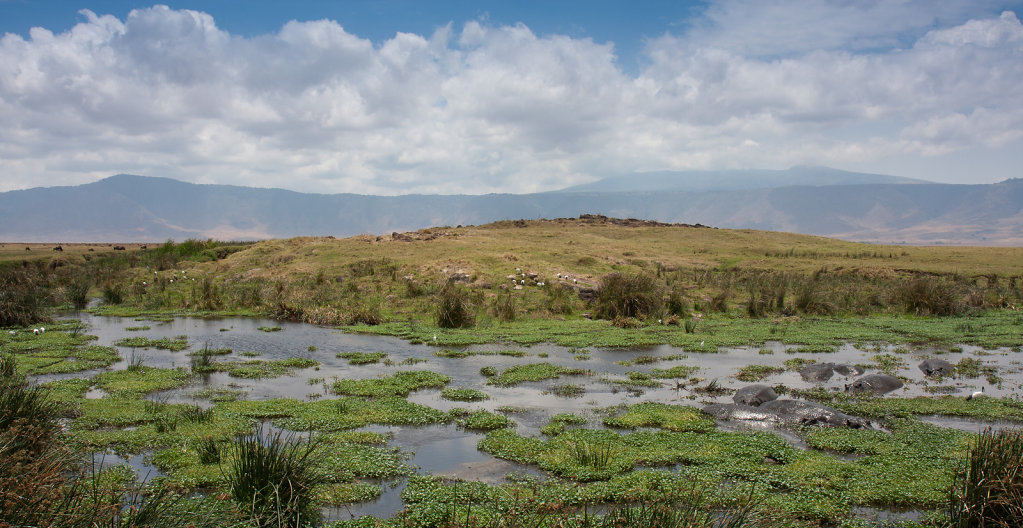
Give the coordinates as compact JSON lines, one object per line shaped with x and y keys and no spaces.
{"x":739,"y":411}
{"x":874,"y":383}
{"x":848,"y":370}
{"x":810,"y":413}
{"x":937,"y":367}
{"x":786,"y":411}
{"x":817,"y":372}
{"x":754,"y":395}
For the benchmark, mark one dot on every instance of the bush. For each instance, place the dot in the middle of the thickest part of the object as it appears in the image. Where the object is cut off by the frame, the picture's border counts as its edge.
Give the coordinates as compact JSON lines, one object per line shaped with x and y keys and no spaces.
{"x":22,"y":296}
{"x":929,"y":296}
{"x":77,"y":293}
{"x":454,"y":309}
{"x":273,"y":479}
{"x":558,"y":299}
{"x":503,"y":306}
{"x":622,"y":296}
{"x":113,"y":293}
{"x":988,"y":489}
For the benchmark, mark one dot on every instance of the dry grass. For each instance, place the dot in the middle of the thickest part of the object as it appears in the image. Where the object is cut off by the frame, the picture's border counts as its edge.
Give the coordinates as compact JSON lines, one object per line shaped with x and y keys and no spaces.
{"x":44,"y":250}
{"x":586,"y":251}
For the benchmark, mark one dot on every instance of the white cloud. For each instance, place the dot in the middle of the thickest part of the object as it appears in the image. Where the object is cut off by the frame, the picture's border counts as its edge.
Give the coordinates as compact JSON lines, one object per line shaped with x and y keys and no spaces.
{"x":485,"y":108}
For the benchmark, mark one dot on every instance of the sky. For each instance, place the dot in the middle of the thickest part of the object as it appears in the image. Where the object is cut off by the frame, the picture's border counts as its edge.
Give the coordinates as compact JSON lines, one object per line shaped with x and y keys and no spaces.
{"x":470,"y":97}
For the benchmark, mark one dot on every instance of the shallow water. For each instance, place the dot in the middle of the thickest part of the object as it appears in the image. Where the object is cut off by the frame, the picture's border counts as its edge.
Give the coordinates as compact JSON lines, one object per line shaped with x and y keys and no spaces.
{"x":447,"y":450}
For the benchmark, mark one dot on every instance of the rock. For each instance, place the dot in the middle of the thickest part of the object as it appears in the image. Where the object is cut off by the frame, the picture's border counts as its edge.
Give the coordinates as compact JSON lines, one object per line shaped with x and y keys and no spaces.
{"x":937,"y":367}
{"x":875,"y":383}
{"x":754,"y":395}
{"x":810,"y":413}
{"x":848,"y":370}
{"x":459,"y":278}
{"x":817,"y":372}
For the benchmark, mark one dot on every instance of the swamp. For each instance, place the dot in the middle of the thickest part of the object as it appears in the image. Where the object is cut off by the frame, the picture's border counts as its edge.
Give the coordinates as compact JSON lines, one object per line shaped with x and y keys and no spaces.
{"x":643,"y":375}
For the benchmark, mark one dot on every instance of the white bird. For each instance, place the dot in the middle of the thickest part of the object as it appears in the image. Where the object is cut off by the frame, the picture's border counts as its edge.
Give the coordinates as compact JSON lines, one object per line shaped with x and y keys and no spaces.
{"x":517,"y":270}
{"x":559,"y":275}
{"x":435,"y":337}
{"x":12,"y":332}
{"x":522,"y":282}
{"x":575,"y":281}
{"x":701,"y":343}
{"x":143,"y":283}
{"x":41,"y":329}
{"x":976,"y":394}
{"x":35,"y":331}
{"x":172,"y":280}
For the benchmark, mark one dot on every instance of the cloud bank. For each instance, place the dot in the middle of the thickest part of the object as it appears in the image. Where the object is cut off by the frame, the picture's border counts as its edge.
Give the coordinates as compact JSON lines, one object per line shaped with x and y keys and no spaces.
{"x":497,"y":108}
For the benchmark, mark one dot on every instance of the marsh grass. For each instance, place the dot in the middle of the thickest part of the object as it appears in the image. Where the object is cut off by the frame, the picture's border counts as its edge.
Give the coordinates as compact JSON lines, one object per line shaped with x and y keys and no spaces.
{"x":454,"y":307}
{"x":463,"y":394}
{"x":272,"y":479}
{"x":136,"y":362}
{"x":362,"y":358}
{"x":201,"y":361}
{"x":628,"y":296}
{"x":988,"y":488}
{"x":533,"y":372}
{"x":196,"y":414}
{"x":208,"y":450}
{"x":595,"y":454}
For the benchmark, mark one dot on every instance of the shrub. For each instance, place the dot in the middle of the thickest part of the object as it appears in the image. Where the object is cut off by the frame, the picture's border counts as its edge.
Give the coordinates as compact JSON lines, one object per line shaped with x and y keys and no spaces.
{"x":677,"y":304}
{"x":113,"y":293}
{"x":77,"y":293}
{"x":988,"y":489}
{"x":503,"y":306}
{"x":929,"y":296}
{"x":454,"y":309}
{"x":623,"y":296}
{"x":558,"y":299}
{"x":273,"y":478}
{"x":22,"y":295}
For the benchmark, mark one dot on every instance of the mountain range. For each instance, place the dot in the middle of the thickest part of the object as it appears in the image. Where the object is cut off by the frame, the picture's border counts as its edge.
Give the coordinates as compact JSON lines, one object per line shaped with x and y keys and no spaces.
{"x":810,"y":200}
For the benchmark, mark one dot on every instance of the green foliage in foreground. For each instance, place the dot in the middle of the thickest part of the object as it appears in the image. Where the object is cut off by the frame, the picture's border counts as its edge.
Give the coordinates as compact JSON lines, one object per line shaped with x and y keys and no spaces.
{"x":136,"y":382}
{"x":985,"y":408}
{"x":257,"y":369}
{"x":60,"y":349}
{"x":436,"y":501}
{"x":463,"y":394}
{"x":480,"y":420}
{"x":988,"y":490}
{"x":335,"y":415}
{"x":989,"y":328}
{"x":533,"y":372}
{"x":400,"y":384}
{"x":174,"y":345}
{"x":362,"y":358}
{"x":910,"y":467}
{"x":669,"y":417}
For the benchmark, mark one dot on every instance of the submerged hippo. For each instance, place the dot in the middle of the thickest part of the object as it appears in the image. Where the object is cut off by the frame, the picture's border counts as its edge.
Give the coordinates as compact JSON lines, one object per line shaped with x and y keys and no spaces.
{"x":874,"y":383}
{"x":754,"y":395}
{"x":937,"y":367}
{"x":817,"y":372}
{"x":810,"y":413}
{"x":786,"y":411}
{"x":848,"y":370}
{"x":739,"y":411}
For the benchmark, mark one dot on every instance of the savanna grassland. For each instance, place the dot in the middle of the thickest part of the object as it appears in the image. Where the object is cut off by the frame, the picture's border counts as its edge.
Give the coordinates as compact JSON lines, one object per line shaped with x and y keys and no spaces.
{"x":586,"y":285}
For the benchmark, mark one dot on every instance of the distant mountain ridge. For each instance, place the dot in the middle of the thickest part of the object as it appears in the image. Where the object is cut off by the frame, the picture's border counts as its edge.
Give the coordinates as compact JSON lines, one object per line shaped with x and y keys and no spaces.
{"x":127,"y":208}
{"x":723,"y":180}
